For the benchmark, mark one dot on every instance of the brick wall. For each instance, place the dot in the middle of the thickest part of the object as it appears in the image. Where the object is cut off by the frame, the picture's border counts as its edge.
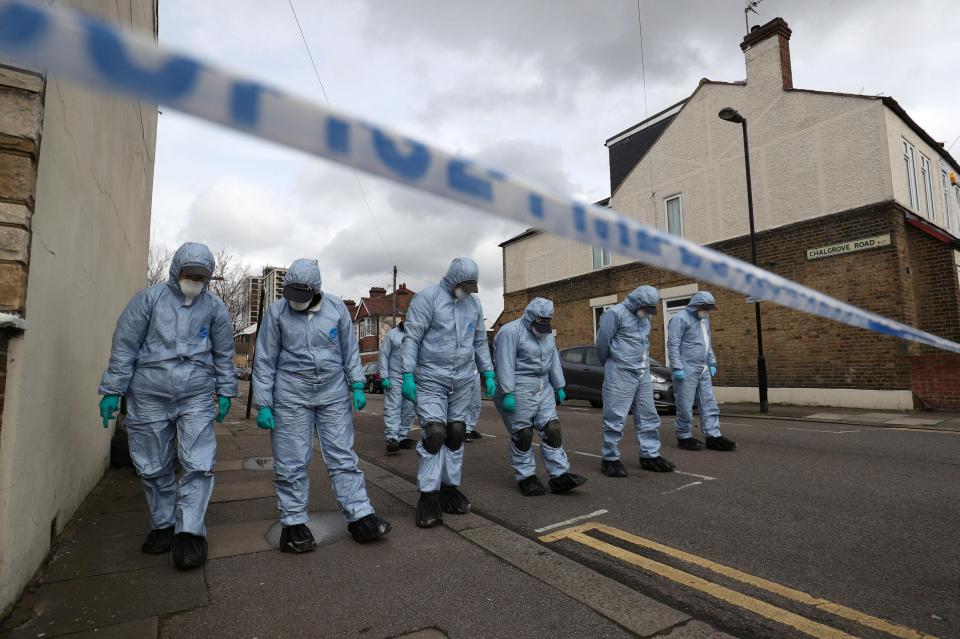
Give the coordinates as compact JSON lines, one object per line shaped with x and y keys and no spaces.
{"x":936,"y":380}
{"x":801,"y":350}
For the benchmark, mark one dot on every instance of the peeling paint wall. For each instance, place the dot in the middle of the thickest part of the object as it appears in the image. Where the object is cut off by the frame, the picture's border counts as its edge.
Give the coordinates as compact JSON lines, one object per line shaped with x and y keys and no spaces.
{"x":88,"y":250}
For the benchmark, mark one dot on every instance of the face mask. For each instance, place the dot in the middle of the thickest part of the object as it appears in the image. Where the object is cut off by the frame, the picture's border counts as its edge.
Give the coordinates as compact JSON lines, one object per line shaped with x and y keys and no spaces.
{"x":299,"y":306}
{"x":642,"y":314}
{"x":703,"y":314}
{"x":460,"y":293}
{"x":190,"y":289}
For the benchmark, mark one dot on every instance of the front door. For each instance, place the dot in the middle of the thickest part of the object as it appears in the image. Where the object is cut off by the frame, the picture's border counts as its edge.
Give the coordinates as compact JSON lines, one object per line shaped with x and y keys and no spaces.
{"x":671,"y":307}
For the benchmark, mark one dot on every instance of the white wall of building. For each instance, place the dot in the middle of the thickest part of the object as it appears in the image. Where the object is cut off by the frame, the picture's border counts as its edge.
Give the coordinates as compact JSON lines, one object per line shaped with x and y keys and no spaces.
{"x":91,"y":227}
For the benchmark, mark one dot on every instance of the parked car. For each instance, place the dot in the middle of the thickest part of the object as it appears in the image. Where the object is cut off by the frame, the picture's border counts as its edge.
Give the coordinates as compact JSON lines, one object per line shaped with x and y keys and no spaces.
{"x":372,"y":375}
{"x":584,"y":375}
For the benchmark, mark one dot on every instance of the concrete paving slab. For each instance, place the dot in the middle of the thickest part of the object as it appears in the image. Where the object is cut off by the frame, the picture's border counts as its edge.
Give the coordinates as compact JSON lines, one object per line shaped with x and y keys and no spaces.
{"x":108,"y":526}
{"x":118,"y":482}
{"x":913,"y":421}
{"x":227,"y":465}
{"x":83,"y":604}
{"x":238,"y":539}
{"x":465,"y":522}
{"x":696,"y":630}
{"x":233,"y":476}
{"x":103,"y":504}
{"x":327,"y":527}
{"x":99,"y":557}
{"x":235,"y":512}
{"x":615,"y":601}
{"x":875,"y":418}
{"x":258,"y":463}
{"x":428,"y":633}
{"x":828,"y":417}
{"x":229,"y":450}
{"x":385,"y":479}
{"x":257,"y":445}
{"x":237,"y":491}
{"x":139,"y":629}
{"x":410,"y":498}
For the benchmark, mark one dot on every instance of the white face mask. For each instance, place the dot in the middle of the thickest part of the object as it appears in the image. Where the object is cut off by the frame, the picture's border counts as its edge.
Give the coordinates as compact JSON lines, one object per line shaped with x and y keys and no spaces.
{"x":642,"y":314}
{"x":190,"y":289}
{"x":703,"y":314}
{"x":460,"y":293}
{"x":299,"y":306}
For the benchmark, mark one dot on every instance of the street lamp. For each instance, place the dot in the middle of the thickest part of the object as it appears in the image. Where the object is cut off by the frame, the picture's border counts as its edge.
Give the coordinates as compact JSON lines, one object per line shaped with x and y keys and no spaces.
{"x":730,"y":115}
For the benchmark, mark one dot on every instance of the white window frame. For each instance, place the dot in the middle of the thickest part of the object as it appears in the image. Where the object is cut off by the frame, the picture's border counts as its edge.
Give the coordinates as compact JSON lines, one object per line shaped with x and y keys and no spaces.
{"x":596,"y":318}
{"x":666,"y":211}
{"x":910,"y":163}
{"x":368,"y":327}
{"x":945,"y":187}
{"x":685,"y":299}
{"x":602,"y":257}
{"x":926,"y":178}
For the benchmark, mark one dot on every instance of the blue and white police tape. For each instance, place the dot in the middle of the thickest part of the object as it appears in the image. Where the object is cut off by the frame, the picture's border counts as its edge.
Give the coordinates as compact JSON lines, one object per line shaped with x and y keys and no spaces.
{"x":89,"y":51}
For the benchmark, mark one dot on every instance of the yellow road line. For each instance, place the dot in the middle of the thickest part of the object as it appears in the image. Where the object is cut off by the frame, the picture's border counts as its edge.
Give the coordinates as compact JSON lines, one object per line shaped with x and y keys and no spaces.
{"x":762,"y":608}
{"x":903,"y":632}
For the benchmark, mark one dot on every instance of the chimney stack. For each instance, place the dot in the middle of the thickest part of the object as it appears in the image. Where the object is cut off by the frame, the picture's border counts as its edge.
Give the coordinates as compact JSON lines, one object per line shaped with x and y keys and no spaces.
{"x":767,"y":52}
{"x":378,"y":291}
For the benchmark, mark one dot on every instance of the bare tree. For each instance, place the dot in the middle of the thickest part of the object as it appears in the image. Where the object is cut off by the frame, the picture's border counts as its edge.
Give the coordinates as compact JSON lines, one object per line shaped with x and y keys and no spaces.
{"x":229,"y":283}
{"x":158,"y":264}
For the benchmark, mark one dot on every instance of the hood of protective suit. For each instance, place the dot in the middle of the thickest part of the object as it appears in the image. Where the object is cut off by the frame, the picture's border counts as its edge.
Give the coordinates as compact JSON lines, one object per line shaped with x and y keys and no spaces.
{"x":304,"y":271}
{"x":642,"y":296}
{"x":462,"y":269}
{"x":538,"y":307}
{"x":190,"y":254}
{"x":700,"y":299}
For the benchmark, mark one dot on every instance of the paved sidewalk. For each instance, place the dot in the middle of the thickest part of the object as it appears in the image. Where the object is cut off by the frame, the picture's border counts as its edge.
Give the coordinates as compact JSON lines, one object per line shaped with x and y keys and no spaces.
{"x":469,"y":578}
{"x":859,"y":416}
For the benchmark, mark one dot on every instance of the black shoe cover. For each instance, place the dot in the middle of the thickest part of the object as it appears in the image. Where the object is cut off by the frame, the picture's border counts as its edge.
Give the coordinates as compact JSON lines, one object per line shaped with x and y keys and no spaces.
{"x":473,"y":437}
{"x":189,"y":551}
{"x":297,"y":539}
{"x":721,"y":443}
{"x":657,"y":464}
{"x":159,"y":541}
{"x":428,"y":510}
{"x":452,"y":501}
{"x":531,"y":486}
{"x":613,"y":468}
{"x":406,"y":443}
{"x":368,"y":528}
{"x":690,"y":443}
{"x":566,"y":482}
{"x":392,"y":445}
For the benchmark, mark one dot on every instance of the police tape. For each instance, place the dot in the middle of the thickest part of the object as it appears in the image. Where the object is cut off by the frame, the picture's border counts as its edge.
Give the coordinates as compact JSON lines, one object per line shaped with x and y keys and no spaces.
{"x":89,"y":51}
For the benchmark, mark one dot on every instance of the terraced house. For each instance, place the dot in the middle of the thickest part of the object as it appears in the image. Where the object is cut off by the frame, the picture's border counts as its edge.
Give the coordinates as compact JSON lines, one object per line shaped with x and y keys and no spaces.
{"x":853,"y":198}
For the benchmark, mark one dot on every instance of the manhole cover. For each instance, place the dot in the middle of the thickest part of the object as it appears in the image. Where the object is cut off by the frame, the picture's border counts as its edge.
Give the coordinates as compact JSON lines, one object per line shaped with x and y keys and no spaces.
{"x":327,"y":527}
{"x":258,"y":463}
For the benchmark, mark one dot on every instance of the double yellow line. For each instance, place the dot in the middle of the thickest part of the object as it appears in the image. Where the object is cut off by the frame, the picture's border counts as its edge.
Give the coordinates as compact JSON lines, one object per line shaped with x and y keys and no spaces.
{"x":762,"y":608}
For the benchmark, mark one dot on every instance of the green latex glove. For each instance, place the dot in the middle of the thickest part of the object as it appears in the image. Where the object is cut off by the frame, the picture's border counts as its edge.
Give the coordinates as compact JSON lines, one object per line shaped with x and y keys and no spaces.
{"x":561,"y":396}
{"x":386,"y":383}
{"x":409,"y":387}
{"x":223,"y":407}
{"x":109,"y":405}
{"x":265,"y":417}
{"x":509,"y":403}
{"x":359,"y":399}
{"x":489,"y":381}
{"x":679,"y":375}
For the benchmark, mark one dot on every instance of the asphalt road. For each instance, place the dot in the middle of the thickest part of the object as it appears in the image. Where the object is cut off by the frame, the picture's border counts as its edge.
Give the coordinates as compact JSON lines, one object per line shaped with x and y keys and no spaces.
{"x":862,"y":518}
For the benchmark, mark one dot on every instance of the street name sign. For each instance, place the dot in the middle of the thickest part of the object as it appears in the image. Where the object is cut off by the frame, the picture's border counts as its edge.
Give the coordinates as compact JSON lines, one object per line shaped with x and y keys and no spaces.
{"x":848,"y":247}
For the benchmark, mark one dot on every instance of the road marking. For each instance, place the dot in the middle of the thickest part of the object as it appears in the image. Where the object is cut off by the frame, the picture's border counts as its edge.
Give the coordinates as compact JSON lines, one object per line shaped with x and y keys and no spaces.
{"x":703,"y":477}
{"x":832,"y":432}
{"x":596,"y":513}
{"x":577,"y":452}
{"x":812,"y":628}
{"x":691,"y":484}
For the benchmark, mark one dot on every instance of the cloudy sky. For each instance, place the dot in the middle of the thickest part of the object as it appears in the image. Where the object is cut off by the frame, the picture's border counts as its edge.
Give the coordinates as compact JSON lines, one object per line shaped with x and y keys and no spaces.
{"x":532,"y":86}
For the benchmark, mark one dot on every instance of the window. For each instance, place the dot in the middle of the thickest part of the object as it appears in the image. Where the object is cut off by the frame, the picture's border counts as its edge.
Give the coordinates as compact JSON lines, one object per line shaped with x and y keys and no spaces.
{"x":590,"y":357}
{"x":926,"y":179}
{"x":368,"y":327}
{"x":945,"y":188}
{"x":573,"y":355}
{"x":674,"y":207}
{"x":910,"y":163}
{"x":602,"y":257}
{"x":597,"y":312}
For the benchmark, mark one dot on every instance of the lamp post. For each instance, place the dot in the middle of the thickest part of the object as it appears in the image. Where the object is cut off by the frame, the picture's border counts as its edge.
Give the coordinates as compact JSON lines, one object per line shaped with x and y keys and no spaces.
{"x":730,"y":115}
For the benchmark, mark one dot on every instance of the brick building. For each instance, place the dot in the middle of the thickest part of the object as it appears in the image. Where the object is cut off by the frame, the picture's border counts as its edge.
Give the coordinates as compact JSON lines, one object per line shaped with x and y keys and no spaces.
{"x":373,"y":318}
{"x":853,"y":198}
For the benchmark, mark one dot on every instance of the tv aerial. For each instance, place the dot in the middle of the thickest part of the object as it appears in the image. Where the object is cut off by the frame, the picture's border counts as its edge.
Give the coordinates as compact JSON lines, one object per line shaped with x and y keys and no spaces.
{"x":747,"y":10}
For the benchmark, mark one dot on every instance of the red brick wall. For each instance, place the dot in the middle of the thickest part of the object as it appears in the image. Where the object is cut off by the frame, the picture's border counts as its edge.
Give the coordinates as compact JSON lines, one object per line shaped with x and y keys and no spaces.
{"x":936,"y":380}
{"x":801,"y":350}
